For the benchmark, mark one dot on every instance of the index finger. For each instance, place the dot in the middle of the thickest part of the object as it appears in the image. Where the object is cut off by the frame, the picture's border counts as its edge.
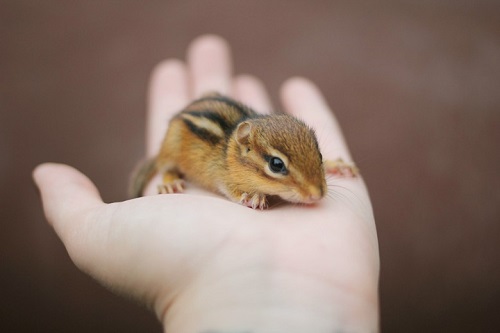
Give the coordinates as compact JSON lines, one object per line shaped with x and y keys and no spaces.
{"x":168,"y":94}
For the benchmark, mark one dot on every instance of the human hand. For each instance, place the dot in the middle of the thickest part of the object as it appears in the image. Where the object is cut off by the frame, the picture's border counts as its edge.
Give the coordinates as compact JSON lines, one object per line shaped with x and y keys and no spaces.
{"x":205,"y":264}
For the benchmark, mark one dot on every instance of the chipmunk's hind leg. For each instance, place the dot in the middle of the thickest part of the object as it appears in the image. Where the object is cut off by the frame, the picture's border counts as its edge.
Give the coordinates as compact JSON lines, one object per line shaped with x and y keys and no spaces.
{"x":167,"y":163}
{"x":340,"y":168}
{"x":171,"y":182}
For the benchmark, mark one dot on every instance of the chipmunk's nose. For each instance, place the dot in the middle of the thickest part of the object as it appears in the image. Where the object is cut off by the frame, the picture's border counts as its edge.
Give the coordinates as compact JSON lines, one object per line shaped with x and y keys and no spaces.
{"x":315,"y":194}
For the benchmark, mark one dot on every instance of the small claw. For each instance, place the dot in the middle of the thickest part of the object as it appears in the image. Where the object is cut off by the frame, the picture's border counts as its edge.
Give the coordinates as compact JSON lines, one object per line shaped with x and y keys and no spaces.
{"x":244,"y":199}
{"x":178,"y":185}
{"x":263,"y":204}
{"x":254,"y":202}
{"x":164,"y":189}
{"x":259,"y":201}
{"x":173,"y":187}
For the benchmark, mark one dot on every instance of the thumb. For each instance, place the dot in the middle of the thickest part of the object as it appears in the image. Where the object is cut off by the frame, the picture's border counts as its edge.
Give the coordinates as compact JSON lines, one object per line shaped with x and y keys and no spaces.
{"x":66,"y":193}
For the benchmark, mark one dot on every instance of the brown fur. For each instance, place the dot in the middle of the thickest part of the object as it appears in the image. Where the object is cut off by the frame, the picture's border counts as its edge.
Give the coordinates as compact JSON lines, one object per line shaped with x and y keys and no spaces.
{"x":222,"y":145}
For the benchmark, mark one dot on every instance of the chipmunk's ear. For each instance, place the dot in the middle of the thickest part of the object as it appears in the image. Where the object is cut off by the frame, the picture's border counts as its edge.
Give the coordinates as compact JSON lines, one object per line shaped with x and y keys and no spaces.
{"x":243,"y":133}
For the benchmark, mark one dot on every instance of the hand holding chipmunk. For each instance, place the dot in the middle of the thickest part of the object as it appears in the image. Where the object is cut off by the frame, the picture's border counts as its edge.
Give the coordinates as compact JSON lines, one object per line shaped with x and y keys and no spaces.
{"x":204,"y":263}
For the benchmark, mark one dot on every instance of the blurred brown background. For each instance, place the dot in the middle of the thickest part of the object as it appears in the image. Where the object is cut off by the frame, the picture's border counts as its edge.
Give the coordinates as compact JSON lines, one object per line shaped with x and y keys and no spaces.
{"x":415,"y":84}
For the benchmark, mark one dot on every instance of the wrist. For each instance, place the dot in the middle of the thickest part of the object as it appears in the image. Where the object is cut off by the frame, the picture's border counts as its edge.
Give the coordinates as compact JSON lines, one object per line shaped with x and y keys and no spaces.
{"x":276,"y":302}
{"x":269,"y":282}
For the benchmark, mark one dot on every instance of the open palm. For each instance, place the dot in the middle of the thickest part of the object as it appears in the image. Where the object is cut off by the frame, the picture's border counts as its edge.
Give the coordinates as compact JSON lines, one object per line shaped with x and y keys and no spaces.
{"x":204,"y":263}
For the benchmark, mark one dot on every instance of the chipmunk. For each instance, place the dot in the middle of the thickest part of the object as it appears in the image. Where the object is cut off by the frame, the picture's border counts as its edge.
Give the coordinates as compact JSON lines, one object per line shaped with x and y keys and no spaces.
{"x":228,"y":148}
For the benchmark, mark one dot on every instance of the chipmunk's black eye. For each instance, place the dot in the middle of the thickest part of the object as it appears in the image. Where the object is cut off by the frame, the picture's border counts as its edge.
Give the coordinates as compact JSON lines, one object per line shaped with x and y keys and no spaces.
{"x":277,"y":165}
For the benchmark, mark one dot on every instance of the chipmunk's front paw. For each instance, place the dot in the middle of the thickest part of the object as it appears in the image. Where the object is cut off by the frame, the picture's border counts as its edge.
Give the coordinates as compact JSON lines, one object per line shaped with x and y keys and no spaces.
{"x":254,"y":201}
{"x":341,"y":168}
{"x":175,"y":186}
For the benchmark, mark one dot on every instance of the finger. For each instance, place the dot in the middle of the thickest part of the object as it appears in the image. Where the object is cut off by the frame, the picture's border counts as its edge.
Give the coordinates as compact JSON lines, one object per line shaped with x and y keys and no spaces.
{"x":209,"y":59}
{"x":303,"y":99}
{"x":252,"y":92}
{"x":168,"y":94}
{"x":67,"y":195}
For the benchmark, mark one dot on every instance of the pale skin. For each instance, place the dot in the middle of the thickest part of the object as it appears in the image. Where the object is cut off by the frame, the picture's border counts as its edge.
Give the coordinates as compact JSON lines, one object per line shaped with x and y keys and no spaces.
{"x":205,"y":264}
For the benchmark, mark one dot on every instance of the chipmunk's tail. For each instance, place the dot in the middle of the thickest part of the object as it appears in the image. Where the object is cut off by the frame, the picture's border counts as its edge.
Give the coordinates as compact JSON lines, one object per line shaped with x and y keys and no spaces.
{"x":141,"y":176}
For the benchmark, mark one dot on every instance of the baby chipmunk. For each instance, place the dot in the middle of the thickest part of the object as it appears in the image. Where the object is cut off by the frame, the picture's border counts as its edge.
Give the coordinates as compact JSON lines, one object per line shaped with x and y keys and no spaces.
{"x":228,"y":148}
